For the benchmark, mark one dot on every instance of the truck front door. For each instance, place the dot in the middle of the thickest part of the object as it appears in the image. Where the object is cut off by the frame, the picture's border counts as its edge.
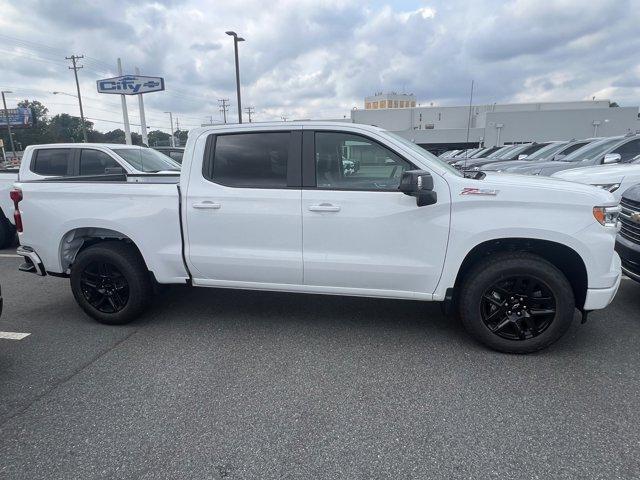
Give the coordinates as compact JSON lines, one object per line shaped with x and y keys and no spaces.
{"x":361,"y":234}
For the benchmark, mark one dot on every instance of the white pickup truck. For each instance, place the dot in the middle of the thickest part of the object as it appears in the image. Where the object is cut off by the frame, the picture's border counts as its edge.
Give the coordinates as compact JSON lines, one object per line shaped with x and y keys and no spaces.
{"x":76,"y":159}
{"x":273,"y":207}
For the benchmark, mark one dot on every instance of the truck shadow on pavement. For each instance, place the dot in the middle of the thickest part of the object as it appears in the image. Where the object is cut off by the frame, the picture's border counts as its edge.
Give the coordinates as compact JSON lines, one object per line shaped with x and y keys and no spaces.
{"x":328,"y":315}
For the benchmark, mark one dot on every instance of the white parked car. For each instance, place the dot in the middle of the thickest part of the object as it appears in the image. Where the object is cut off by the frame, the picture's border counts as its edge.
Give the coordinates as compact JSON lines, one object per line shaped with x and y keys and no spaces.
{"x":76,"y":159}
{"x":269,"y":207}
{"x":615,"y":178}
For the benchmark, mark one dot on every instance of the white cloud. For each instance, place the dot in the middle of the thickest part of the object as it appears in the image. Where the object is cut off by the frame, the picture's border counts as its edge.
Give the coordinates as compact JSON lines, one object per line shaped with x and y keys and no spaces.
{"x":314,"y":59}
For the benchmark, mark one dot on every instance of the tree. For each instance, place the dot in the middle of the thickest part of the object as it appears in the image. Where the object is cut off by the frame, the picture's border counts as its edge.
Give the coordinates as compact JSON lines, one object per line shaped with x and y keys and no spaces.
{"x":157,"y":138}
{"x":613,"y":104}
{"x":65,"y":128}
{"x":181,"y":136}
{"x":38,"y":110}
{"x":23,"y":137}
{"x":114,"y":136}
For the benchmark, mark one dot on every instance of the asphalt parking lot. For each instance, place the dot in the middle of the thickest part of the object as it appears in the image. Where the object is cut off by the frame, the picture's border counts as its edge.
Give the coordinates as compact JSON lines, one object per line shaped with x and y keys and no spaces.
{"x":224,"y":384}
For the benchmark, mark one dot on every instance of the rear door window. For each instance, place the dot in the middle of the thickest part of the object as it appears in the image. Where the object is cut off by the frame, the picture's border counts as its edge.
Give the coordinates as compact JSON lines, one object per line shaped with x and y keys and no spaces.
{"x":250,"y":160}
{"x":95,"y":162}
{"x":53,"y":162}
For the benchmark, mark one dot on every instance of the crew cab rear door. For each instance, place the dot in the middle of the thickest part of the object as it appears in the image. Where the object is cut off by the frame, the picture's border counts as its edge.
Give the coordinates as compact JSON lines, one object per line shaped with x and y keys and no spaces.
{"x":243,"y":221}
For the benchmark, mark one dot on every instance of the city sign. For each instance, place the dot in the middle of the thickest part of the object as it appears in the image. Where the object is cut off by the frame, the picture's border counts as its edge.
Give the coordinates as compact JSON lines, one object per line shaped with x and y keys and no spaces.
{"x":130,"y":85}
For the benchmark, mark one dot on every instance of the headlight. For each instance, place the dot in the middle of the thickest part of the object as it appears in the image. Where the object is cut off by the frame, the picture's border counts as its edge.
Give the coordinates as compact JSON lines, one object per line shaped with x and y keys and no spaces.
{"x":609,"y":187}
{"x":607,"y":216}
{"x":475,"y":168}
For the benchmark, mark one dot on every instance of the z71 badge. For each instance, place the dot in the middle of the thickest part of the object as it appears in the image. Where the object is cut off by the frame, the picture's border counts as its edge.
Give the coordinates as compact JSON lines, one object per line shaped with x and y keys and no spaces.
{"x":479,"y":191}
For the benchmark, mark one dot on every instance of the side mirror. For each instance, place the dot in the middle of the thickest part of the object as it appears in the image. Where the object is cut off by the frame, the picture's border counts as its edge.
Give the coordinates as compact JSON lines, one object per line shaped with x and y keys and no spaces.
{"x":558,"y":157}
{"x":114,"y":171}
{"x":522,"y":156}
{"x":611,"y":158}
{"x":419,"y":184}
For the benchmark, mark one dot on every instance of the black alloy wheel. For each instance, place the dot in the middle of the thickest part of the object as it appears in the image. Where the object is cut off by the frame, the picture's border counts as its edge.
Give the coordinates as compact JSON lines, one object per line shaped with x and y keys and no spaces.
{"x":518,"y":308}
{"x":104,"y":287}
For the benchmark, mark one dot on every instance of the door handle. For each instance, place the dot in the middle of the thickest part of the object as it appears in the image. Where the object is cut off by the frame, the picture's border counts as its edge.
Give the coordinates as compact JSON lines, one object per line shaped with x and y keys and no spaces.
{"x":324,"y":207}
{"x":207,"y":206}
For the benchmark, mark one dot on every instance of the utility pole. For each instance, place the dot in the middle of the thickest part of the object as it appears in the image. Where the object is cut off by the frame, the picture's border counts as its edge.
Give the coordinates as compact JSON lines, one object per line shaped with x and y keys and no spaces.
{"x":6,"y":118}
{"x":75,"y":67}
{"x":237,"y":39}
{"x":224,"y":106}
{"x":125,"y":113}
{"x":250,"y":110}
{"x":178,"y":130}
{"x":143,"y":120}
{"x":171,"y":139}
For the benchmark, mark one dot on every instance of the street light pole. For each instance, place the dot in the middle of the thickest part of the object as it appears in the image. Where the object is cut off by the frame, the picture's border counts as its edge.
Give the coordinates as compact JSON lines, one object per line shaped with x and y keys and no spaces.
{"x":171,"y":140}
{"x":237,"y":39}
{"x":75,"y":69}
{"x":6,"y":118}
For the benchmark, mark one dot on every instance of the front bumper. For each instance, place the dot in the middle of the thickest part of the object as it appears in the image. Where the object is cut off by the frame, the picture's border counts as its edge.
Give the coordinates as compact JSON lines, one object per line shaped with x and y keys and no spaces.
{"x":598,"y":298}
{"x":630,"y":255}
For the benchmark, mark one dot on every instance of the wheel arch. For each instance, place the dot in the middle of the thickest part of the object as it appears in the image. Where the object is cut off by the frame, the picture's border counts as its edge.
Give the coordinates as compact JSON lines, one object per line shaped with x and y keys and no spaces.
{"x":78,"y":239}
{"x":563,"y":257}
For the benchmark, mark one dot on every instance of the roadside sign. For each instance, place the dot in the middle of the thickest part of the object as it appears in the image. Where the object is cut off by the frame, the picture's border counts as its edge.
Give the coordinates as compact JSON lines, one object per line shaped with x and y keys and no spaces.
{"x":130,"y":85}
{"x":20,"y":117}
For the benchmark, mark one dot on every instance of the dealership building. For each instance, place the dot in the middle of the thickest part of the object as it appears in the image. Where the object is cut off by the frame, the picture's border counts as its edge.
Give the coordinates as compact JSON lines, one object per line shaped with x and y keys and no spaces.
{"x":441,"y":128}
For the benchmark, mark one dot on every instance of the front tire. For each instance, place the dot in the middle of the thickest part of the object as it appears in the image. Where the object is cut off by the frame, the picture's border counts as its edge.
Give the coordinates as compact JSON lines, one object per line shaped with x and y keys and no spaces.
{"x":516,"y":302}
{"x":111,"y":283}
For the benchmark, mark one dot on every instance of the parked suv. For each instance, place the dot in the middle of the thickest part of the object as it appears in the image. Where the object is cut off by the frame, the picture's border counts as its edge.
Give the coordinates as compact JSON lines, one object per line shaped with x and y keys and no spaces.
{"x":628,"y":241}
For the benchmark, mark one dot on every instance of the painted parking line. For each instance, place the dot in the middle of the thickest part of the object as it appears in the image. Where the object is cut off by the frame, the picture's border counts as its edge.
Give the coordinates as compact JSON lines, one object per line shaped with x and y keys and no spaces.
{"x":9,"y":255}
{"x":13,"y":335}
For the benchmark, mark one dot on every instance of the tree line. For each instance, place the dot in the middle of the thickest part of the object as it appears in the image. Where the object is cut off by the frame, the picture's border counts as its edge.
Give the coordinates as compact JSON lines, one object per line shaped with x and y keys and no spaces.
{"x":64,"y":128}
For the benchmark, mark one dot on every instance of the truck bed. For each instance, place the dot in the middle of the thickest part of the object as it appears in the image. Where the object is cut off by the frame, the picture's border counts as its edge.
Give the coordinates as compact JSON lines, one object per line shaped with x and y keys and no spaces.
{"x":146,"y":212}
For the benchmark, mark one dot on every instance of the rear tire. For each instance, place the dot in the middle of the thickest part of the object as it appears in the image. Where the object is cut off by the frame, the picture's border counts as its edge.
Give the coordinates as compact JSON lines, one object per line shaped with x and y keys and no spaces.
{"x":516,"y":302}
{"x":111,"y":283}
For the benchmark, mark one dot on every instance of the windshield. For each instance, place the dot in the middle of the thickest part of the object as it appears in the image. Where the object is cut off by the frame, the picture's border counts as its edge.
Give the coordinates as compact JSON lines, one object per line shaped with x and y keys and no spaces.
{"x":547,"y":151}
{"x":147,"y":160}
{"x":502,"y":151}
{"x":513,"y":152}
{"x":485,"y":151}
{"x":590,"y":150}
{"x":424,"y":153}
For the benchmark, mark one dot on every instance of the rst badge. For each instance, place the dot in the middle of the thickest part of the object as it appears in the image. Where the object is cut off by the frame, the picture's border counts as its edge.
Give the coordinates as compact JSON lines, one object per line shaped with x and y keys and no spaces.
{"x":479,"y":191}
{"x":130,"y":85}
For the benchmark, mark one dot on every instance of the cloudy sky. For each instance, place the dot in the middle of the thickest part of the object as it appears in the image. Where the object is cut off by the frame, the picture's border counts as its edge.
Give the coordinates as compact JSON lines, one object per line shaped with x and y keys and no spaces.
{"x":317,"y":58}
